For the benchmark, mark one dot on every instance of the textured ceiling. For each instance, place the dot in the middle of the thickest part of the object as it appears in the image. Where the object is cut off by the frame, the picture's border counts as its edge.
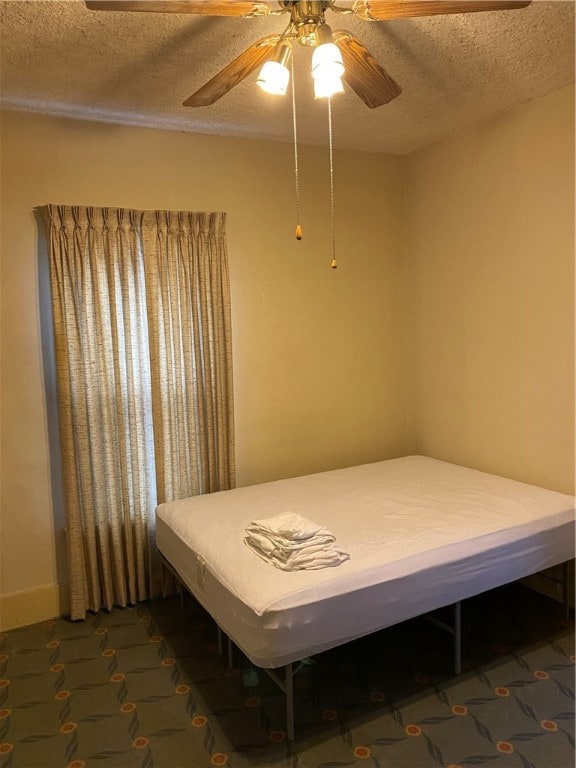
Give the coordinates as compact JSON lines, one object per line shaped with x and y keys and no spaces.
{"x":137,"y":68}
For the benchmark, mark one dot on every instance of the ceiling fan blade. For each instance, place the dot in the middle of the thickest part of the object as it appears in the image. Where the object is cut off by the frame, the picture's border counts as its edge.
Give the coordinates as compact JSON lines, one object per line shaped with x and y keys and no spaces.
{"x":380,"y":10}
{"x":363,"y":73}
{"x":202,"y":7}
{"x":233,"y":73}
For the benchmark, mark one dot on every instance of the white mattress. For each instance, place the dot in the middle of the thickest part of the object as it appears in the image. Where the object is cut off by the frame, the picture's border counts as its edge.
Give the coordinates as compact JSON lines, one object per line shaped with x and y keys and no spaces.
{"x":421,"y":534}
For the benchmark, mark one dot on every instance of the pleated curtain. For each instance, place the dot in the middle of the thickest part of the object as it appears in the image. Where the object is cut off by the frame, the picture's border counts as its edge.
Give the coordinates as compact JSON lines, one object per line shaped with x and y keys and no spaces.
{"x":141,"y":308}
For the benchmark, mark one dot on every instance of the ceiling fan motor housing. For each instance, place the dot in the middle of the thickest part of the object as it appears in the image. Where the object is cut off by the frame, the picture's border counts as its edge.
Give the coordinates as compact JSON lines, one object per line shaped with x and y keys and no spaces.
{"x":306,"y":16}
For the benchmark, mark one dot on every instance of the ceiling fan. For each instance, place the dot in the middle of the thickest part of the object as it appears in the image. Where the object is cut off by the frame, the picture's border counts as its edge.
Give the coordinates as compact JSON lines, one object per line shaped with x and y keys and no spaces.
{"x":307,"y":25}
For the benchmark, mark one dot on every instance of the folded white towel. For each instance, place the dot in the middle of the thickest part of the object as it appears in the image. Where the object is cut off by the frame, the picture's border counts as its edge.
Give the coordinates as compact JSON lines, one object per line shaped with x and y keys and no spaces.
{"x":286,"y":545}
{"x":273,"y":545}
{"x":306,"y":558}
{"x":289,"y":525}
{"x":292,"y":542}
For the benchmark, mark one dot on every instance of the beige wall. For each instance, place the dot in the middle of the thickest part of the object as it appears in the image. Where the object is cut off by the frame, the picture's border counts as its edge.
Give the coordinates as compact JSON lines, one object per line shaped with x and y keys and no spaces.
{"x":472,"y":240}
{"x":490,"y":244}
{"x":318,"y":354}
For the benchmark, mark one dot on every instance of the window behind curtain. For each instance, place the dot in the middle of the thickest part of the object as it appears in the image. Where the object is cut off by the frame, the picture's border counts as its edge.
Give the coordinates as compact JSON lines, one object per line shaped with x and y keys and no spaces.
{"x":141,"y":308}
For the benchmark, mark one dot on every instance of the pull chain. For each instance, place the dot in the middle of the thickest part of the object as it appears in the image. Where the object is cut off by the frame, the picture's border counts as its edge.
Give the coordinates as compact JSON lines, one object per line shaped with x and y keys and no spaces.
{"x":333,"y":263}
{"x":296,"y":170}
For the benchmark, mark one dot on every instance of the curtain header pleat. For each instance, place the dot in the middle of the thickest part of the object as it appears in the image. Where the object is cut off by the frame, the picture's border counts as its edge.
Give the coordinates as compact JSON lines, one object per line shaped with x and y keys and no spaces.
{"x":69,"y":217}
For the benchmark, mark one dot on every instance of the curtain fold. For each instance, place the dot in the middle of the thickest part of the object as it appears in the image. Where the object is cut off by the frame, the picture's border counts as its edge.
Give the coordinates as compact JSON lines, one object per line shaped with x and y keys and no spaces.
{"x":190,"y":338}
{"x":141,"y":308}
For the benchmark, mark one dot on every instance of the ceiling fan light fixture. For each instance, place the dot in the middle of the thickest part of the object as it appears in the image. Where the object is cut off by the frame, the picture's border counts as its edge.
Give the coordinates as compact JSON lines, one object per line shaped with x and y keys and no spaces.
{"x":273,"y":78}
{"x":275,"y":75}
{"x":327,"y":61}
{"x":327,"y":71}
{"x":326,"y":87}
{"x":327,"y":64}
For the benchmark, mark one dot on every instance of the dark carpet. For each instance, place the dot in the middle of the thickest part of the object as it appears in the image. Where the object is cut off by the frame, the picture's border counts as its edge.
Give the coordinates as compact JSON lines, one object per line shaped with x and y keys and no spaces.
{"x":145,"y":687}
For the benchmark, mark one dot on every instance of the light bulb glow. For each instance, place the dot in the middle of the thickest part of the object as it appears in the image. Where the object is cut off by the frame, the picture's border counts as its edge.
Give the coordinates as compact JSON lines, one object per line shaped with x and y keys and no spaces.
{"x":273,"y":78}
{"x":326,"y":87}
{"x":327,"y":62}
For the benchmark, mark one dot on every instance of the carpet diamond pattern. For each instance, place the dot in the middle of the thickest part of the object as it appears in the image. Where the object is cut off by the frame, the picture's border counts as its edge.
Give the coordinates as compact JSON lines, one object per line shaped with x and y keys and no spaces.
{"x":145,"y":687}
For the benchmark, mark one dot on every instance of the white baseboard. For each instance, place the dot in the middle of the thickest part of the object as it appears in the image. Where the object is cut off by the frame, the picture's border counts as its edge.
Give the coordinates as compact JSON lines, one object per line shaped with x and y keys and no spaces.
{"x":31,"y":606}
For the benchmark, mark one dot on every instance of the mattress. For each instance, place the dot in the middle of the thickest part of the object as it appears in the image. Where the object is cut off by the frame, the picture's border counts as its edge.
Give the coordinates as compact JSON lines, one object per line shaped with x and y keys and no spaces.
{"x":421,"y":534}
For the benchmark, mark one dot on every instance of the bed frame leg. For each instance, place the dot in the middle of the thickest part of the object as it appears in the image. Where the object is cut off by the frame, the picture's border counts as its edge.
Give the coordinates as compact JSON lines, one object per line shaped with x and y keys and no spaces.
{"x":220,"y":636}
{"x":163,"y":577}
{"x":455,"y":630}
{"x":289,"y":703}
{"x":457,"y":639}
{"x":286,"y":685}
{"x":230,"y":653}
{"x":566,"y":589}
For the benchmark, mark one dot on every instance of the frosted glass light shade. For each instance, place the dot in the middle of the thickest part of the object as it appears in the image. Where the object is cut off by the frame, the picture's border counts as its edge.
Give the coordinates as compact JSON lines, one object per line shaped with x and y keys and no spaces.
{"x":273,"y":78}
{"x":327,"y":62}
{"x":327,"y":87}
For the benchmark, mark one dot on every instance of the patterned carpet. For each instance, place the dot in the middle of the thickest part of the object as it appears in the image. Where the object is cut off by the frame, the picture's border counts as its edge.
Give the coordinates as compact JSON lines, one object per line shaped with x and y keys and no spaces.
{"x":145,"y":687}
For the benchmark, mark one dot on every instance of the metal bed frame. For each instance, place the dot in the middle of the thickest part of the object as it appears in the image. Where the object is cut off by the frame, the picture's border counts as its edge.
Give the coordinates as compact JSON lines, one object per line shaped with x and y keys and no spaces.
{"x":286,"y":684}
